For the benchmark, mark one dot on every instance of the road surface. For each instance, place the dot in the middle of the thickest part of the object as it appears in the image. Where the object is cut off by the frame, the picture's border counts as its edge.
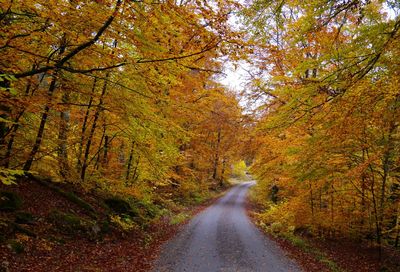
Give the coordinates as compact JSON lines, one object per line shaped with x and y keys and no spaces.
{"x":222,"y":238}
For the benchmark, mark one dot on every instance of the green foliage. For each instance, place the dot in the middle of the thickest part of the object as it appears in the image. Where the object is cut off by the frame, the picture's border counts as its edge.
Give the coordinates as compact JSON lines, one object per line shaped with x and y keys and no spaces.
{"x":9,"y":176}
{"x":124,"y":222}
{"x":7,"y":79}
{"x":239,"y":169}
{"x":179,"y":218}
{"x":127,"y":211}
{"x":9,"y":201}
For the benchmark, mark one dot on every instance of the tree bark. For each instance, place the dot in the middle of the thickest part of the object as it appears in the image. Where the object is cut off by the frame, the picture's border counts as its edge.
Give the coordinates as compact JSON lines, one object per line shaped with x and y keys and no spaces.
{"x":63,"y":138}
{"x":128,"y":170}
{"x":216,"y":159}
{"x":92,"y":130}
{"x":84,"y":126}
{"x":39,"y":137}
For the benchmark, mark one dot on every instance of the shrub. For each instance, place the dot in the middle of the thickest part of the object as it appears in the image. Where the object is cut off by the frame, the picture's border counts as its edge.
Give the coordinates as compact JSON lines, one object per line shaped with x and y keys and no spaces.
{"x":125,"y":223}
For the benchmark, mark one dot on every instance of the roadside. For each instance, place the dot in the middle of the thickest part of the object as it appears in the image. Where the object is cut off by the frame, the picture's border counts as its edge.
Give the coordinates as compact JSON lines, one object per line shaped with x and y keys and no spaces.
{"x":59,"y":227}
{"x":315,"y":254}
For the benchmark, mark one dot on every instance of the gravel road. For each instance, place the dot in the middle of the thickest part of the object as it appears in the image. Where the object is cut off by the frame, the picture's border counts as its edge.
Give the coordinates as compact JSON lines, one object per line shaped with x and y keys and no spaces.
{"x":222,"y":238}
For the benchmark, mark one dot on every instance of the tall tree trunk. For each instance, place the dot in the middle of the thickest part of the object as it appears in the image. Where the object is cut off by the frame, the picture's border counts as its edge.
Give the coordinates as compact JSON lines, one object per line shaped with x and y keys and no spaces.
{"x":311,"y":200}
{"x":378,"y":223}
{"x":386,"y":164}
{"x":216,"y":159}
{"x":135,"y":174}
{"x":5,"y":109}
{"x":63,"y":138}
{"x":104,"y":161}
{"x":10,"y":143}
{"x":39,"y":137}
{"x":332,"y":209}
{"x":98,"y":153}
{"x":84,"y":126}
{"x":221,"y":180}
{"x":128,"y":170}
{"x":92,"y":130}
{"x":15,"y":127}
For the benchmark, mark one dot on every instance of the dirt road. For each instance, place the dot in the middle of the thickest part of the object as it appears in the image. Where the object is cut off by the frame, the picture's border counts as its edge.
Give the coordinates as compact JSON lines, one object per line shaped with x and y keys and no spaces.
{"x":222,"y":238}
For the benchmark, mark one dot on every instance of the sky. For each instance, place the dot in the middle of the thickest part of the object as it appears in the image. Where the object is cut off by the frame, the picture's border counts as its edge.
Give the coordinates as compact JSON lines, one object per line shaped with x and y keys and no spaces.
{"x":234,"y":79}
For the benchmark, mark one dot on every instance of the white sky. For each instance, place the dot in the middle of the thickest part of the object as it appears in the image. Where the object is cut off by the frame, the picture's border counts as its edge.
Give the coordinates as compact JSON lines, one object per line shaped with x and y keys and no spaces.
{"x":234,"y":79}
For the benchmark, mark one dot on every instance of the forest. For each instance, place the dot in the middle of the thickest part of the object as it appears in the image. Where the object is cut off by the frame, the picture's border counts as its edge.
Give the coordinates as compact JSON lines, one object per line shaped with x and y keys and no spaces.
{"x":122,"y":100}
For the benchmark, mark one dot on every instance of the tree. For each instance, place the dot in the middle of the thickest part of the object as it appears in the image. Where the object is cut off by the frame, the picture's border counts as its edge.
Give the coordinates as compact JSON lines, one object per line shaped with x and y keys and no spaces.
{"x":328,"y":133}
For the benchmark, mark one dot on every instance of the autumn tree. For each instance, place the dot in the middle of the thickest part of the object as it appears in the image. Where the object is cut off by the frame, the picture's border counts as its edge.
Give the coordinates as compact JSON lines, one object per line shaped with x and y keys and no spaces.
{"x":329,"y":130}
{"x":99,"y":93}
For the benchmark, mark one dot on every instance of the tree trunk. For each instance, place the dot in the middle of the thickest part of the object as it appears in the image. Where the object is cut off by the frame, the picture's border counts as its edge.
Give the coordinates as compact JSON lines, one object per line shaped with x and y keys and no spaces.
{"x":105,"y":149}
{"x":39,"y":137}
{"x":63,"y":138}
{"x":84,"y":126}
{"x":216,"y":160}
{"x":221,"y":180}
{"x":92,"y":130}
{"x":5,"y":109}
{"x":128,"y":170}
{"x":311,"y":200}
{"x":14,"y":130}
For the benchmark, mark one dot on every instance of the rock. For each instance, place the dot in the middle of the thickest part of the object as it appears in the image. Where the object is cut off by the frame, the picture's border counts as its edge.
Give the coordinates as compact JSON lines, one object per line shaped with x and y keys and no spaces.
{"x":118,"y":205}
{"x":72,"y":224}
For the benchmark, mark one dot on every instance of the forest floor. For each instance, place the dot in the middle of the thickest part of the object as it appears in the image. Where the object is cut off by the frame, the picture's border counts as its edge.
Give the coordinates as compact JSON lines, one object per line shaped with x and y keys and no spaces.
{"x":40,"y":245}
{"x":315,"y":254}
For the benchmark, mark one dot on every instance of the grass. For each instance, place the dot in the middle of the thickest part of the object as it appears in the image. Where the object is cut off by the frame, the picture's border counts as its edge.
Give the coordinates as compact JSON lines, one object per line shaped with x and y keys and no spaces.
{"x":179,"y":218}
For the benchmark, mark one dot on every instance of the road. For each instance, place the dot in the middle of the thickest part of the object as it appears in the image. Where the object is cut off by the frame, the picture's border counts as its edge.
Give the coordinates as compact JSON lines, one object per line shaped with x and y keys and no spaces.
{"x":222,"y":238}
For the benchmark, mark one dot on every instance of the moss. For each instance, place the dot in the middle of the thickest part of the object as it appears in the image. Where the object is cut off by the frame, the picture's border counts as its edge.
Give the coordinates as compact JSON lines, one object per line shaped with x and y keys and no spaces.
{"x":9,"y":201}
{"x":105,"y":226}
{"x":16,"y":246}
{"x":72,"y":225}
{"x":145,"y":209}
{"x":79,"y":201}
{"x":24,"y":218}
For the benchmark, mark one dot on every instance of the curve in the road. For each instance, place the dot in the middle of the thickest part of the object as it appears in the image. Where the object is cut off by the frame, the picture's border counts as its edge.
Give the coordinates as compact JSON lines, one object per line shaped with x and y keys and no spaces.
{"x":222,"y":238}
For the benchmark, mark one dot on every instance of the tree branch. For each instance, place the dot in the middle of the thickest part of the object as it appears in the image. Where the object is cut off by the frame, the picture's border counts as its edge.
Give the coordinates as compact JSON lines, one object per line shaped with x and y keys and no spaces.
{"x":79,"y":71}
{"x":179,"y":57}
{"x":61,"y":62}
